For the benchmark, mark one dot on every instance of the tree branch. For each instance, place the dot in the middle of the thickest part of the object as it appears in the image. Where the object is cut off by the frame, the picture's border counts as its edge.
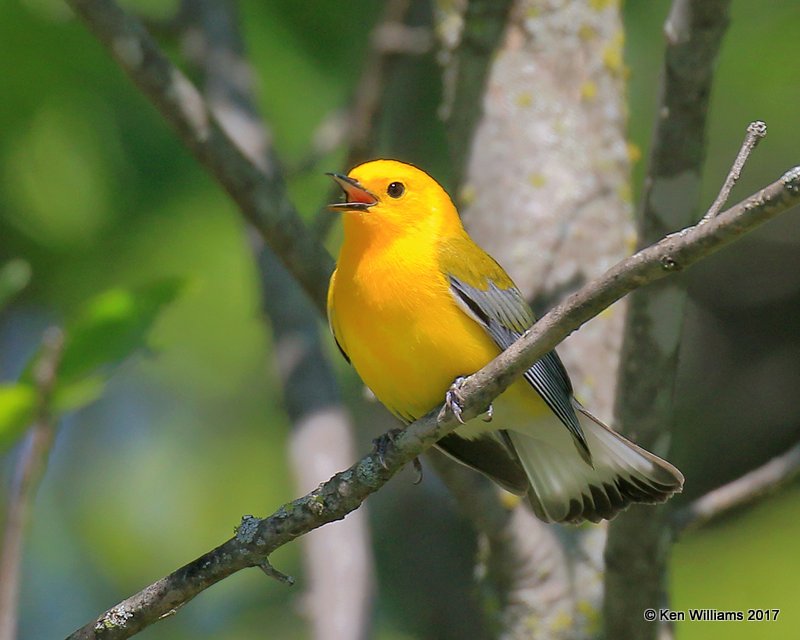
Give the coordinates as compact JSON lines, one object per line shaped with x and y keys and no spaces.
{"x":256,"y":539}
{"x":756,"y":130}
{"x":28,"y":474}
{"x":767,"y":478}
{"x":358,"y":126}
{"x":390,"y":37}
{"x":693,"y":31}
{"x":260,"y":193}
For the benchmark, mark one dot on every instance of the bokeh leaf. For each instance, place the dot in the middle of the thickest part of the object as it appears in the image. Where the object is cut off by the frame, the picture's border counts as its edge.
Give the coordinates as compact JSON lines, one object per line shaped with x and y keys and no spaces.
{"x":17,"y":408}
{"x":77,"y":394}
{"x":111,"y":327}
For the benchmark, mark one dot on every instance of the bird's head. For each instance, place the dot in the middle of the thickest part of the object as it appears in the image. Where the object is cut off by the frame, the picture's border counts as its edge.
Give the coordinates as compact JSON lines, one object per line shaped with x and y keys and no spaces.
{"x":396,"y":197}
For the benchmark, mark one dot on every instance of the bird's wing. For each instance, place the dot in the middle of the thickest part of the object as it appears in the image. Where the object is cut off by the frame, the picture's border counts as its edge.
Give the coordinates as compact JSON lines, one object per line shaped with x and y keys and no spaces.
{"x":504,"y":314}
{"x":332,"y":318}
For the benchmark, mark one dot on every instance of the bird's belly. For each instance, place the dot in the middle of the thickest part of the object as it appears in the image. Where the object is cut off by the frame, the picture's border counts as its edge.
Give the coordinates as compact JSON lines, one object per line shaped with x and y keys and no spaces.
{"x":409,"y":352}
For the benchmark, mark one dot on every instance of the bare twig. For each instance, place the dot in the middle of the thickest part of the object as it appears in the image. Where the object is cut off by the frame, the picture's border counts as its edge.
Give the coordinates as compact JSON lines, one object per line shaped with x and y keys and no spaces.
{"x":638,"y":546}
{"x":358,"y":125}
{"x":755,"y":132}
{"x":260,"y":193}
{"x":29,"y":472}
{"x":343,"y":493}
{"x":746,"y":489}
{"x":272,"y":572}
{"x":368,"y":97}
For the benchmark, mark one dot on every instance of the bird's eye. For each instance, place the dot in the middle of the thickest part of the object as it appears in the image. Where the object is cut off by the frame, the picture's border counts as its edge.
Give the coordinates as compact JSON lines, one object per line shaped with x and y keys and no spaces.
{"x":396,"y":189}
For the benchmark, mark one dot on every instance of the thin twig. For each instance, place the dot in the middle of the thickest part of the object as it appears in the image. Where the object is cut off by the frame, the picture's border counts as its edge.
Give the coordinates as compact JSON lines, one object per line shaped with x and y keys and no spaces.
{"x":30,"y":469}
{"x":745,"y":490}
{"x":755,"y":132}
{"x":272,"y":572}
{"x":358,"y":125}
{"x":346,"y":491}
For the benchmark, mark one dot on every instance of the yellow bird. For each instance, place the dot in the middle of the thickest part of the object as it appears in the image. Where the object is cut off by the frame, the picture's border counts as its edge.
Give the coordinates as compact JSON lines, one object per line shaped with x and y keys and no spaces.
{"x":415,"y":304}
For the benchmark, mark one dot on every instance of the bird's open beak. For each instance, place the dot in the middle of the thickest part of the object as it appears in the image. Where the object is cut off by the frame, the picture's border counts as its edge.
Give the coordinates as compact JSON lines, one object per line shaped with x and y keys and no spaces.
{"x":357,"y":198}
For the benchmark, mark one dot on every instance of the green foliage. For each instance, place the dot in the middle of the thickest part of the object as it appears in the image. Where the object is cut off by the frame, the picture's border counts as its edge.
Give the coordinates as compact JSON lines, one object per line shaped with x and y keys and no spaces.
{"x":106,"y":331}
{"x":748,"y":561}
{"x":112,"y":325}
{"x":17,"y":408}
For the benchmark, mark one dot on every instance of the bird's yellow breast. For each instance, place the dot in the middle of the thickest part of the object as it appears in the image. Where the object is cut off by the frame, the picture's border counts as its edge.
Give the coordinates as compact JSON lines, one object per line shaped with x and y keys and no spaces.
{"x":394,"y":315}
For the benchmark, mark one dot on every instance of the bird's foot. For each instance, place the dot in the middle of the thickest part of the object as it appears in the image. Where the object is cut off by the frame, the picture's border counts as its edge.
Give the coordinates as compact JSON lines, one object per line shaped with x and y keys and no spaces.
{"x":487,"y":417}
{"x":453,"y":399}
{"x":383,"y":443}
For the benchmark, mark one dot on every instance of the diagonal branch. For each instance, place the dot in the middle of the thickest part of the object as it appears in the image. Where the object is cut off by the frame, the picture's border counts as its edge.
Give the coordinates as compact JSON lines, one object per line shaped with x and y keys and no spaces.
{"x":260,"y":193}
{"x":746,"y":489}
{"x":256,"y":539}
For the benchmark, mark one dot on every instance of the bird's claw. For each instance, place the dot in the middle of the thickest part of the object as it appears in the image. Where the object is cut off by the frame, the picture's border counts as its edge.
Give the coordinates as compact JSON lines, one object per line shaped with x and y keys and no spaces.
{"x":418,"y":468}
{"x":487,"y":417}
{"x":453,"y":400}
{"x":383,"y":443}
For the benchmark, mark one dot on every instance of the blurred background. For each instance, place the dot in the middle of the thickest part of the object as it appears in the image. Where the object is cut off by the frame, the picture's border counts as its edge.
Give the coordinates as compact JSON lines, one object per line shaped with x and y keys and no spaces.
{"x":190,"y":433}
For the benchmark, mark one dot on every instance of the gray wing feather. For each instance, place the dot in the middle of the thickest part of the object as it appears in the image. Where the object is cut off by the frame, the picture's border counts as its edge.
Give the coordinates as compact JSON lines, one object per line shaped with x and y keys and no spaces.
{"x":506,"y":316}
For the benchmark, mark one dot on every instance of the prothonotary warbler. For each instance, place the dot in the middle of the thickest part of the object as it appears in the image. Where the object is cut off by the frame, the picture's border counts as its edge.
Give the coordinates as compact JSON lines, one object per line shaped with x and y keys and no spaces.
{"x":415,"y":304}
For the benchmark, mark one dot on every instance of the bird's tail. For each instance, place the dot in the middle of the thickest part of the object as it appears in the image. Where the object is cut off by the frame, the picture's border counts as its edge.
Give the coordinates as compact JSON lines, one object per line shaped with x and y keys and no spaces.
{"x":565,"y":488}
